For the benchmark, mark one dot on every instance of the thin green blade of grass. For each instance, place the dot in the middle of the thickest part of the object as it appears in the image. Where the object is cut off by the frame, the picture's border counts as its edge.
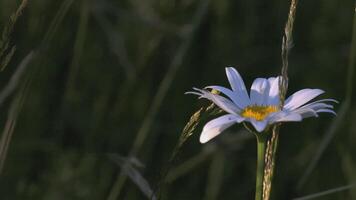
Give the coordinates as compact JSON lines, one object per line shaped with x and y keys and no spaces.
{"x":128,"y":167}
{"x":232,"y":142}
{"x":168,"y":79}
{"x":10,"y":88}
{"x":15,"y":79}
{"x":161,"y":94}
{"x":188,"y":131}
{"x":116,"y":42}
{"x":342,"y":112}
{"x":53,"y":27}
{"x":78,"y":48}
{"x":352,"y":58}
{"x":6,"y":50}
{"x":45,"y":43}
{"x":147,"y":19}
{"x":189,"y":165}
{"x":216,"y":176}
{"x":14,"y":108}
{"x":328,"y":136}
{"x":348,"y":166}
{"x":326,"y":192}
{"x":116,"y":45}
{"x":9,"y":129}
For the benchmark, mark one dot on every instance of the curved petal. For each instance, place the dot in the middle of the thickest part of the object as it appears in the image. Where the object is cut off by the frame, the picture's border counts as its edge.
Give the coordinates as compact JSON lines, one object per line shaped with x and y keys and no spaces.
{"x":216,"y":126}
{"x":320,"y":103}
{"x":285,"y":116}
{"x":326,"y":100}
{"x":259,"y":125}
{"x":259,"y":91}
{"x":315,"y":106}
{"x":238,"y":100}
{"x":273,"y":98}
{"x":312,"y":109}
{"x":301,"y":97}
{"x":306,"y":112}
{"x":220,"y":101}
{"x":237,"y":83}
{"x":327,"y":111}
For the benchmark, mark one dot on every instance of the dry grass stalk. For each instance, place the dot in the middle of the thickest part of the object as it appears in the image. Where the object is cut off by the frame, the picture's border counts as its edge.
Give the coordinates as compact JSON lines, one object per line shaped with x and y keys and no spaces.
{"x":6,"y":50}
{"x":287,"y":43}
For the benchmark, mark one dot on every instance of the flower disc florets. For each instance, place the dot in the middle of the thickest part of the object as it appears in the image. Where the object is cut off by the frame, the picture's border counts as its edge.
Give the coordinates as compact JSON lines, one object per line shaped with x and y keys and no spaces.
{"x":258,"y":112}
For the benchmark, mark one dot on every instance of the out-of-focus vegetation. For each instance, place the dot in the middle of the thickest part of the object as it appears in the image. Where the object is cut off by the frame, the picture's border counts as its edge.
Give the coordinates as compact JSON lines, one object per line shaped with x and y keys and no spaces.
{"x":106,"y":79}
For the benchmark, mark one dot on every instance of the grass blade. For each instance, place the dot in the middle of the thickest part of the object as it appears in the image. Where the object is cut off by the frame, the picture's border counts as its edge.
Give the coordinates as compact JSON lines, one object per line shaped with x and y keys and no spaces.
{"x":14,"y":81}
{"x":6,"y":50}
{"x":341,"y":113}
{"x":326,"y":192}
{"x":160,"y":95}
{"x":133,"y":174}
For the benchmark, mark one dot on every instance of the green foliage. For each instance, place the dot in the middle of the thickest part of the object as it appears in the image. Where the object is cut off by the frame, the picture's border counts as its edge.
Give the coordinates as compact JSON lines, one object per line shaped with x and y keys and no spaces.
{"x":106,"y":71}
{"x":6,"y":49}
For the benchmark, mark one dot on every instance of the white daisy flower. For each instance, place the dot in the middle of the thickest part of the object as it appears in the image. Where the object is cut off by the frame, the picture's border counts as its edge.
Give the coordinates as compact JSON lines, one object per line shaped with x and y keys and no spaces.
{"x":260,"y":108}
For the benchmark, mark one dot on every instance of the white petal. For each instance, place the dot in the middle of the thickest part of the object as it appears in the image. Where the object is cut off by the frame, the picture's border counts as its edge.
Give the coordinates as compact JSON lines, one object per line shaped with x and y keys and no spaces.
{"x":301,"y":97}
{"x":220,"y":101}
{"x":216,"y":126}
{"x":316,"y":106}
{"x":273,"y":91}
{"x":192,"y":92}
{"x":306,"y":112}
{"x":259,"y":125}
{"x":326,"y":100}
{"x":237,"y":83}
{"x":259,"y":91}
{"x":238,"y":100}
{"x":312,"y":109}
{"x":327,"y":111}
{"x":320,"y":104}
{"x":285,"y":116}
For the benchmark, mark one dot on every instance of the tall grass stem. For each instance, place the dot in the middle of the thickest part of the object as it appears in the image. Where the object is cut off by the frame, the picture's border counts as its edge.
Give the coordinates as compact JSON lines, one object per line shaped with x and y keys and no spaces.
{"x":272,"y":144}
{"x":342,"y":112}
{"x":261,"y":150}
{"x":160,"y":95}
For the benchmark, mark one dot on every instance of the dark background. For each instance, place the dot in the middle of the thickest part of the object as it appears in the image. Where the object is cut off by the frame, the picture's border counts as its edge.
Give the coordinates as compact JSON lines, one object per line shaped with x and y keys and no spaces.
{"x":107,"y":71}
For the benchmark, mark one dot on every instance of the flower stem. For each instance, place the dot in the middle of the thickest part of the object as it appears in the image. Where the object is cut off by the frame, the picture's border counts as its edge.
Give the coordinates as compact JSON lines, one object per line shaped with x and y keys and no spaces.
{"x":261,"y":148}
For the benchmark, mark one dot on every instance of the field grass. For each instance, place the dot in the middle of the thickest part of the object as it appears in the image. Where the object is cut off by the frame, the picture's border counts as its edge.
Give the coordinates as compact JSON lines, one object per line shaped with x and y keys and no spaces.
{"x":93,"y":104}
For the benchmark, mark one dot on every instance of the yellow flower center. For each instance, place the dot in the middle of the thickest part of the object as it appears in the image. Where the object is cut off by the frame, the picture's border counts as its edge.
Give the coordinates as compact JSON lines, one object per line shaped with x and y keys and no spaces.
{"x":258,"y":112}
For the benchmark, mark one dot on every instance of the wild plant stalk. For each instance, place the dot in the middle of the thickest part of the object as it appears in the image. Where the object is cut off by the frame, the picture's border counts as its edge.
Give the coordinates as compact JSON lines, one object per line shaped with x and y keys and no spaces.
{"x":188,"y":165}
{"x":270,"y":144}
{"x":342,"y":112}
{"x":9,"y":128}
{"x":78,"y":48}
{"x":216,"y":175}
{"x":352,"y":61}
{"x":160,"y":95}
{"x":58,"y":19}
{"x":15,"y":106}
{"x":16,"y":77}
{"x":117,"y":46}
{"x":6,"y":53}
{"x":234,"y":142}
{"x":261,"y":151}
{"x":6,"y":50}
{"x":186,"y":133}
{"x":327,"y":192}
{"x":129,"y":167}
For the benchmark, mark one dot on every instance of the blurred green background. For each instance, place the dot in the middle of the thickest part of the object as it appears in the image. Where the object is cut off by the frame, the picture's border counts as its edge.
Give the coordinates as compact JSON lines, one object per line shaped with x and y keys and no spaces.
{"x":108,"y":77}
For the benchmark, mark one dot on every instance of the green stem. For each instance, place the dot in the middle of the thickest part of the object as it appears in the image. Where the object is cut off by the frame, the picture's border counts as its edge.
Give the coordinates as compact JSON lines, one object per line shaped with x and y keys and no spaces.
{"x":261,"y":148}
